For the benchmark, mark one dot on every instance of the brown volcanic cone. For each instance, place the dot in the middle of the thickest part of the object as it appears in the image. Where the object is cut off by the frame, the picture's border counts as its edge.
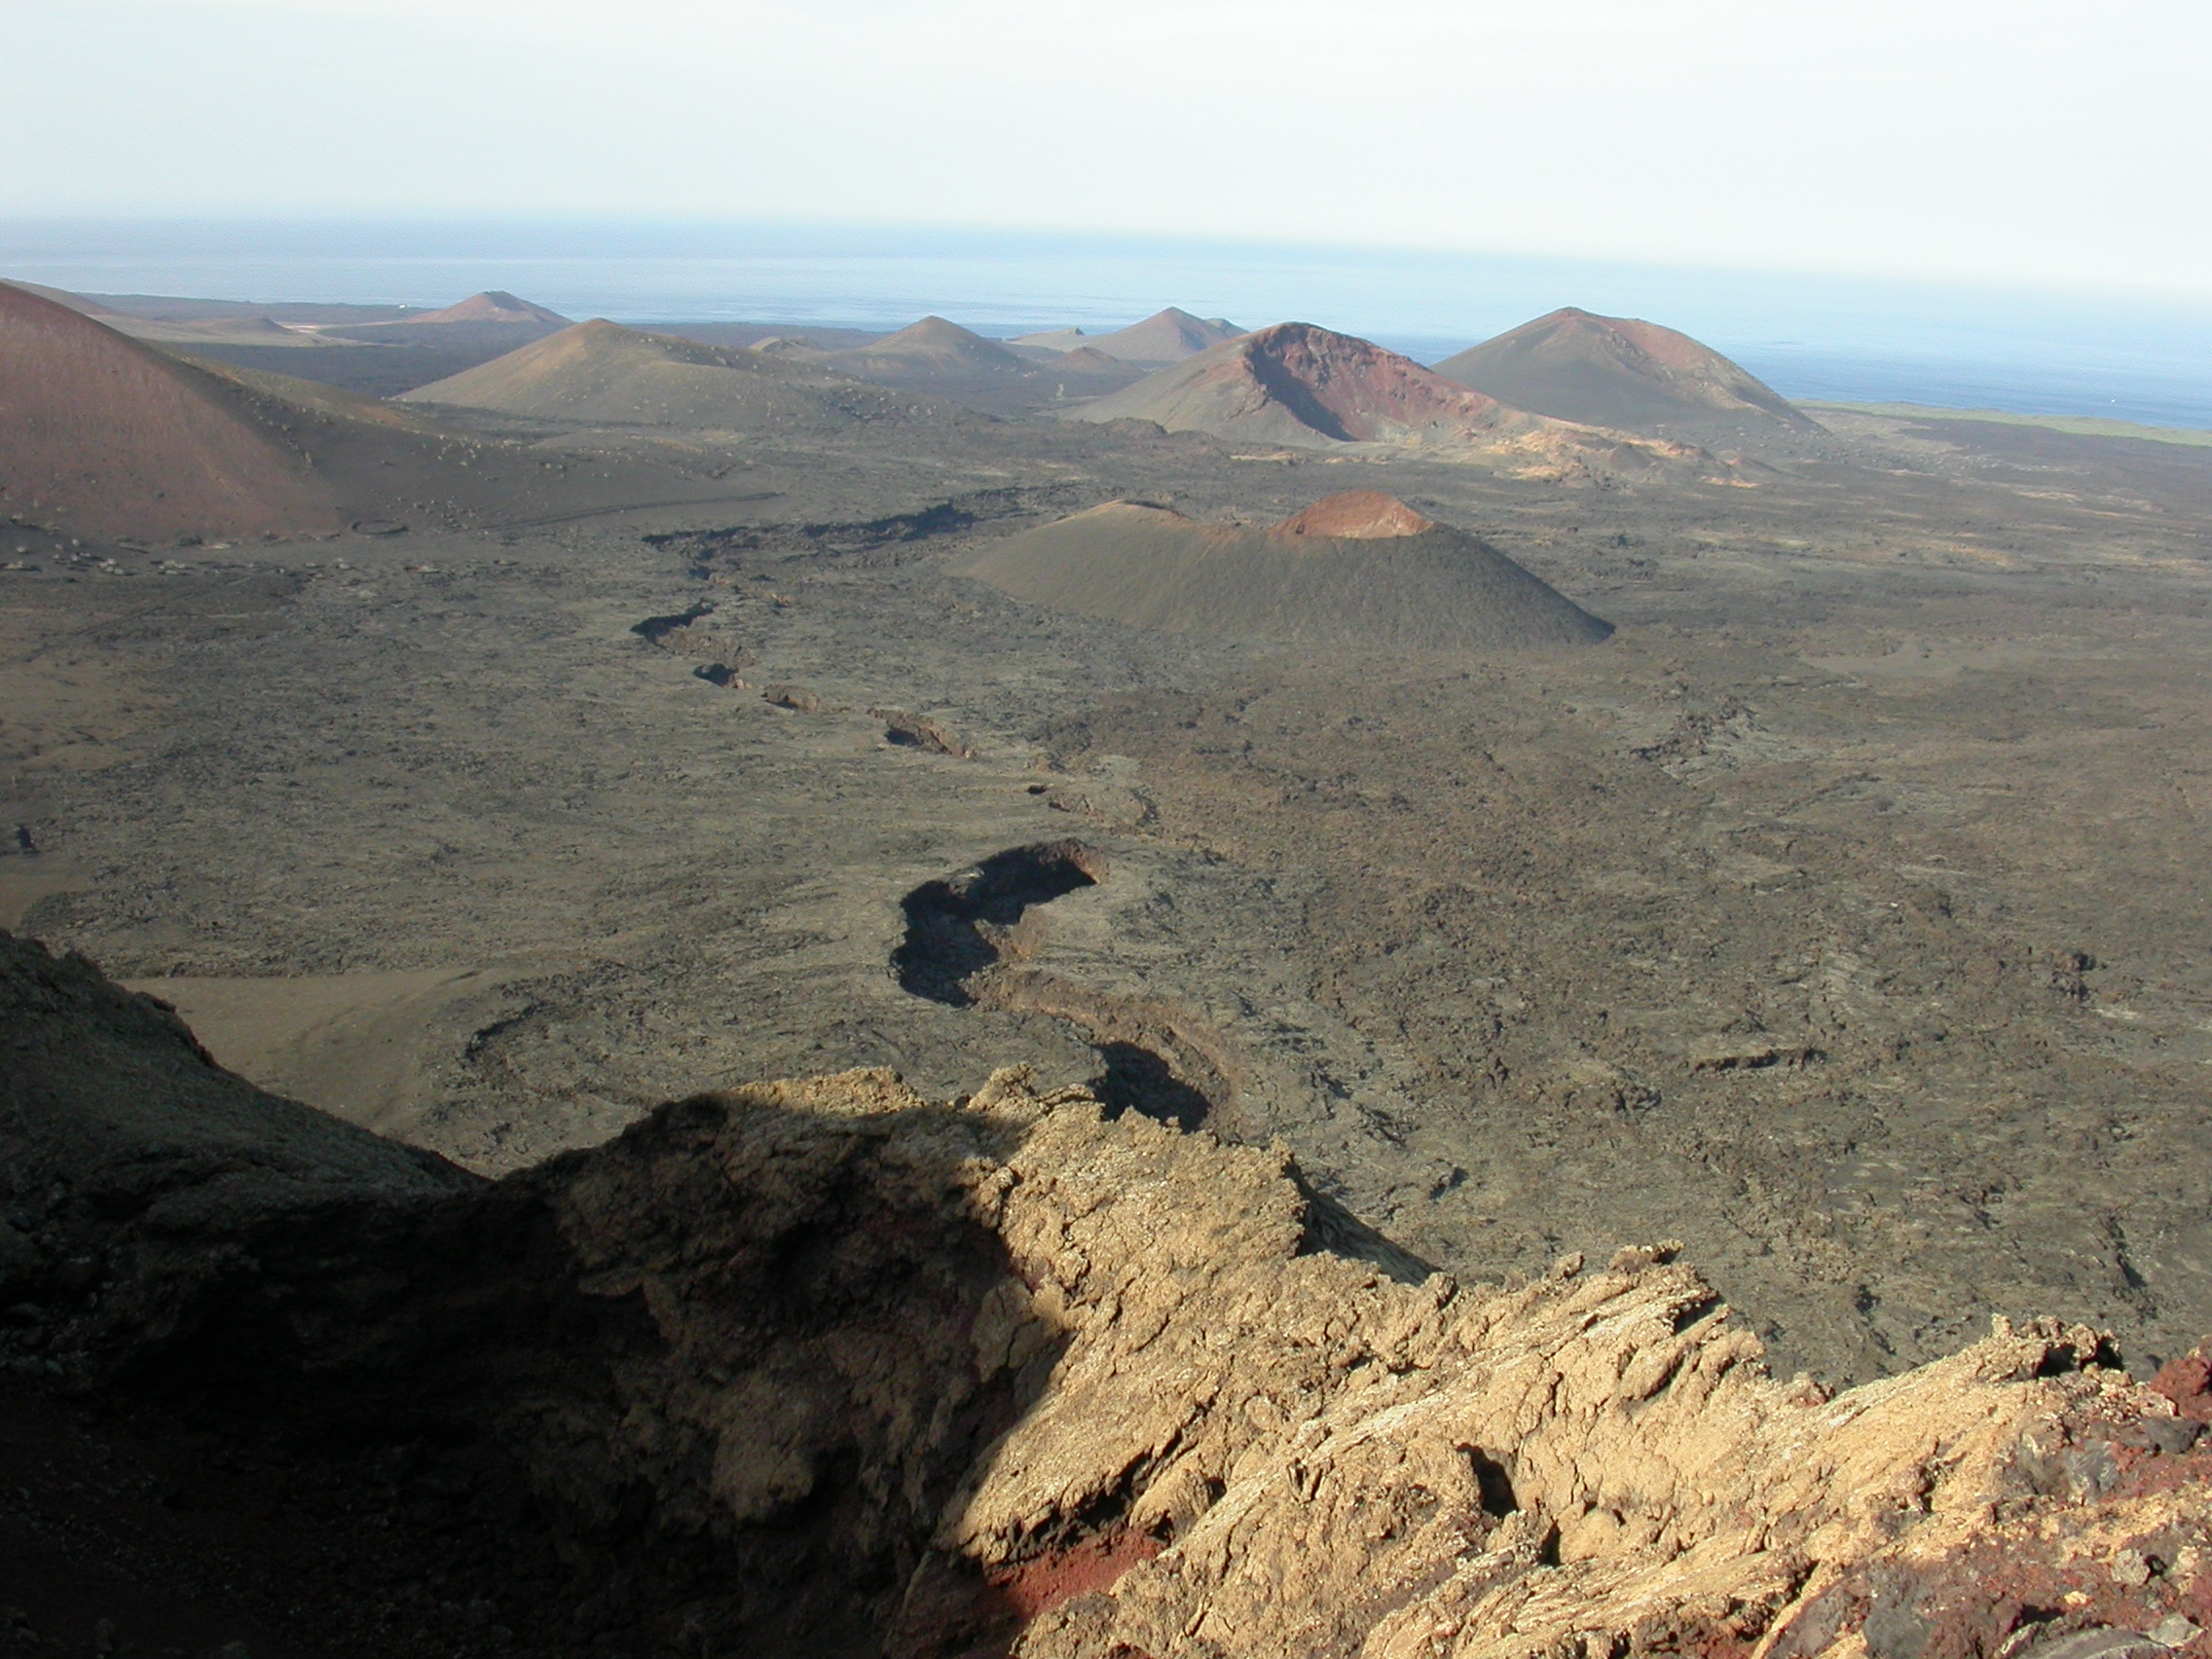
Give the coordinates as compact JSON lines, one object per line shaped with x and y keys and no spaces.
{"x":602,"y":371}
{"x":1168,"y":336}
{"x":931,"y":346}
{"x":1621,"y":372}
{"x":102,"y":436}
{"x":1361,"y":570}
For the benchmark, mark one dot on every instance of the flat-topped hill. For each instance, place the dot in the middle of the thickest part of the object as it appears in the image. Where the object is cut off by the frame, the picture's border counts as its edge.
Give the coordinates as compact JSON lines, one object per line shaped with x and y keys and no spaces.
{"x":1620,"y":371}
{"x":1357,"y":569}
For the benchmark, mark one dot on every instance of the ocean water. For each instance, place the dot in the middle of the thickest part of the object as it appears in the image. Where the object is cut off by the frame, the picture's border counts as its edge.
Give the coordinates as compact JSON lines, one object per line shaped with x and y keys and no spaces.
{"x":2133,"y":355}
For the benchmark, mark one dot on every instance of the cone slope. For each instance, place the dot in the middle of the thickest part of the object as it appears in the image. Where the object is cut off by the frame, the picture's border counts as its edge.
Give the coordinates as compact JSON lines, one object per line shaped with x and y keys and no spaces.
{"x":102,"y":436}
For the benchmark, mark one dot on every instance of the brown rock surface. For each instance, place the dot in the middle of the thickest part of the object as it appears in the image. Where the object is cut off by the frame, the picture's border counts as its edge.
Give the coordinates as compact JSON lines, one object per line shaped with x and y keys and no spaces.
{"x":821,"y":1367}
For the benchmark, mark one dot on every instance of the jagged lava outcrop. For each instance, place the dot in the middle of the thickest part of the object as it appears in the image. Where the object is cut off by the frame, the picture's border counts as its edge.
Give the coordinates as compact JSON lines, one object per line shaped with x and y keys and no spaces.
{"x":826,"y":1368}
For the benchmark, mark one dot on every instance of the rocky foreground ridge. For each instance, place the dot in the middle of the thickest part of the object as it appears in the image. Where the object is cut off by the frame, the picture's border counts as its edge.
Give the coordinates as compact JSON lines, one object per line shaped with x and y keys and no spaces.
{"x":824,"y":1368}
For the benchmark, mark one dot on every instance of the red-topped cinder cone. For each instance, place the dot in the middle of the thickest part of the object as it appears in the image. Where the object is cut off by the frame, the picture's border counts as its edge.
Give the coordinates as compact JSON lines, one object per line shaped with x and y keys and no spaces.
{"x":1356,"y":515}
{"x":1353,"y":571}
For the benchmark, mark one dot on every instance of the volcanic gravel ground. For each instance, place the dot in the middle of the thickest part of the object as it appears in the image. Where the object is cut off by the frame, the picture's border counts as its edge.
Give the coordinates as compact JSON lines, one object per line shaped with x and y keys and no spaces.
{"x":1840,"y":917}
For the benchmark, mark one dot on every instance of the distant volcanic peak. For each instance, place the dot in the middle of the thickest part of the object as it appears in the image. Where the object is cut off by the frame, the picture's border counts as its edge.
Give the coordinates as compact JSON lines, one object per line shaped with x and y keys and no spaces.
{"x":1168,"y":336}
{"x":494,"y":305}
{"x":1664,"y":347}
{"x":1212,"y":329}
{"x":1356,"y":515}
{"x":1612,"y":371}
{"x":934,"y":331}
{"x":934,"y":343}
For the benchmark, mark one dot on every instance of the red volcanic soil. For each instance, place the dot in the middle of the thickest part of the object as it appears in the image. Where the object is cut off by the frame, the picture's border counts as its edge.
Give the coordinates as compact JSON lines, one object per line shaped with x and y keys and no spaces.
{"x":102,"y":436}
{"x":1356,"y":515}
{"x":2187,"y":1382}
{"x":1035,"y":1587}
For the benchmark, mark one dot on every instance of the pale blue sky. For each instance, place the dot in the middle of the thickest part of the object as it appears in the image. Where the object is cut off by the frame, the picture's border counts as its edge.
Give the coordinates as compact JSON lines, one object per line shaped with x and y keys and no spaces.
{"x":2021,"y":140}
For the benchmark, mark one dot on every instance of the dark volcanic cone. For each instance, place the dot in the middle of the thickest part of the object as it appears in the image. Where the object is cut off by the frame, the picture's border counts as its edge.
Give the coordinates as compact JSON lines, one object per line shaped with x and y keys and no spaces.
{"x":1361,"y":570}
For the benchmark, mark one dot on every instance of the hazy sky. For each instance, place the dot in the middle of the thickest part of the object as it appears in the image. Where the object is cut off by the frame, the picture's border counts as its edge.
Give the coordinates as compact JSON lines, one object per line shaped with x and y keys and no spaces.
{"x":2015,"y":137}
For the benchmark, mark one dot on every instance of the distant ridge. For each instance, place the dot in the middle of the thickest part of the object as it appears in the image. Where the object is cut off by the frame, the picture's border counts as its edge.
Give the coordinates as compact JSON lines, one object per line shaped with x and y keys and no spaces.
{"x":602,"y":371}
{"x":1165,"y":337}
{"x":1618,"y":372}
{"x":100,"y":435}
{"x":1360,"y":570}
